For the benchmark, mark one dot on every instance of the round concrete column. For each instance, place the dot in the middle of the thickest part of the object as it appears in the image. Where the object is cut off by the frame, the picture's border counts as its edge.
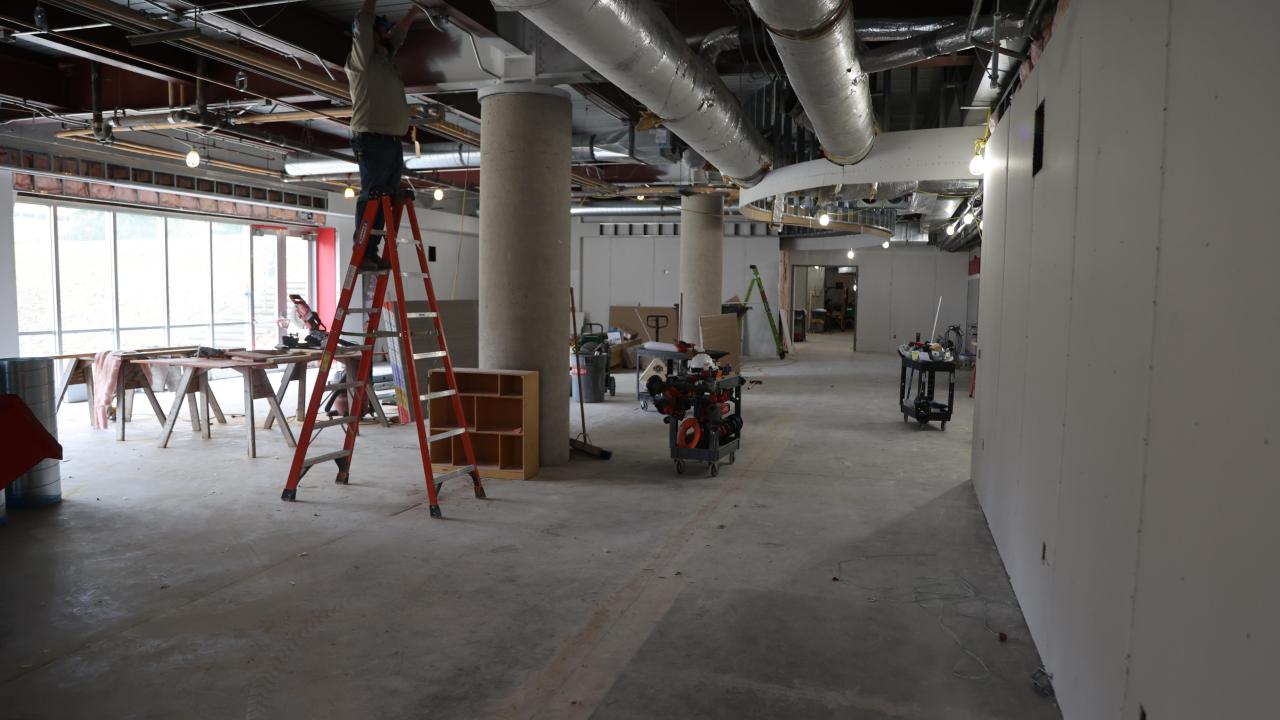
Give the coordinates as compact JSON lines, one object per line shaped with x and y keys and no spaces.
{"x":524,"y":246}
{"x":701,"y":254}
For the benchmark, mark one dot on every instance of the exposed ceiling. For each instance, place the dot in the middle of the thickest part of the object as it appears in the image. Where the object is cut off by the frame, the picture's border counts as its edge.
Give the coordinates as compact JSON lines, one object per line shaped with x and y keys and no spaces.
{"x":275,"y":56}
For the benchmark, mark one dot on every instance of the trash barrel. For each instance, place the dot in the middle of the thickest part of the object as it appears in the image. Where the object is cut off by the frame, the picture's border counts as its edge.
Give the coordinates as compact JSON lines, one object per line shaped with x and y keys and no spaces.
{"x":32,"y":380}
{"x":595,"y":375}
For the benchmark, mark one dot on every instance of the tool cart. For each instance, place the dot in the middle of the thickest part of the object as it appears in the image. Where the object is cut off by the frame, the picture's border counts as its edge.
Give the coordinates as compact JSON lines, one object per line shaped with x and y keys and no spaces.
{"x":703,"y":412}
{"x":919,"y":370}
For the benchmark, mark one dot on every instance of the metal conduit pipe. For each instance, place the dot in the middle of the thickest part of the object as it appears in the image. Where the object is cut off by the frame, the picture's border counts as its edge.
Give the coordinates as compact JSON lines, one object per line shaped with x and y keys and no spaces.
{"x":634,"y":46}
{"x":815,"y":39}
{"x":98,"y":128}
{"x":953,"y":38}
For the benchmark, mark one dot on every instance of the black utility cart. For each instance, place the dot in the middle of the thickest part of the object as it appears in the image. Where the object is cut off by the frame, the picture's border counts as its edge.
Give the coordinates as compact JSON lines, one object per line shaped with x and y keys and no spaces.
{"x":919,"y":376}
{"x":712,"y":448}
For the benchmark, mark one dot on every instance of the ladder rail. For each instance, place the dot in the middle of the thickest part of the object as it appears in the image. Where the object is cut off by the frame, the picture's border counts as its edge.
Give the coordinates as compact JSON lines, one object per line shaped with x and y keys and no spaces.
{"x":410,"y":366}
{"x":298,"y":467}
{"x":372,"y":321}
{"x":450,"y":379}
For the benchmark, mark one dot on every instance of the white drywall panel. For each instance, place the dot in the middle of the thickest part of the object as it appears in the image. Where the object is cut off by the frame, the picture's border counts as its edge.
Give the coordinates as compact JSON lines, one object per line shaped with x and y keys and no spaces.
{"x":1121,"y":141}
{"x":1011,"y":501}
{"x":631,"y":271}
{"x":875,"y":298}
{"x":986,"y":431}
{"x":761,"y":251}
{"x":914,"y":295}
{"x":952,"y":285}
{"x":1038,"y":457}
{"x":666,"y":270}
{"x":596,"y":279}
{"x":1206,"y":635}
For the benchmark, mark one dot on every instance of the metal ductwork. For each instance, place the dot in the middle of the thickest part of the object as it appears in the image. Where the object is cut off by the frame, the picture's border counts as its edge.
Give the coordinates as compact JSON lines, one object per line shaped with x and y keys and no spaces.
{"x":815,"y":39}
{"x":634,"y":46}
{"x":891,"y":29}
{"x":952,"y":38}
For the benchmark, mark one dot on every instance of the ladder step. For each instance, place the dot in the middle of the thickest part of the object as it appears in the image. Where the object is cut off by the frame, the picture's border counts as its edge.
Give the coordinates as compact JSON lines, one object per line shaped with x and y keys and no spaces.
{"x":343,"y":385}
{"x":450,"y":474}
{"x":344,"y":420}
{"x":362,"y":310}
{"x":380,"y":232}
{"x":414,"y":274}
{"x":413,"y":315}
{"x":446,"y":434}
{"x":438,"y":394}
{"x":374,"y":334}
{"x":427,"y":355}
{"x":325,"y":458}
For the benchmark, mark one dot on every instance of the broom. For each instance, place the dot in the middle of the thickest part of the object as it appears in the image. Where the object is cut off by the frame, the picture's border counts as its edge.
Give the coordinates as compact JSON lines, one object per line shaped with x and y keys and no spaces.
{"x":582,"y":442}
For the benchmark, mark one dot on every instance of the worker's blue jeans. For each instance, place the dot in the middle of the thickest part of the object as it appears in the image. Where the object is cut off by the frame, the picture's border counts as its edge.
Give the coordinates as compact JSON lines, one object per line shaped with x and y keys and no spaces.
{"x":381,"y":160}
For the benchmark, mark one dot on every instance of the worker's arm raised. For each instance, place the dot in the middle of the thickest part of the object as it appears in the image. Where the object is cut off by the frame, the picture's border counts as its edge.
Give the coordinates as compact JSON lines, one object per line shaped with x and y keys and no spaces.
{"x":401,"y":29}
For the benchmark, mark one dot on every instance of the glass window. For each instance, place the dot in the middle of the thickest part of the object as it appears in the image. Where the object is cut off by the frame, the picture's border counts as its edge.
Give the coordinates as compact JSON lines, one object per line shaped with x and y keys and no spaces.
{"x":189,"y":335}
{"x":266,"y":289}
{"x":85,"y":270}
{"x":143,"y":338}
{"x":233,"y":336}
{"x":33,"y":256}
{"x":87,"y":342}
{"x":37,"y":345}
{"x":188,"y":272}
{"x":297,"y":264}
{"x":232,"y":287}
{"x":140,"y":250}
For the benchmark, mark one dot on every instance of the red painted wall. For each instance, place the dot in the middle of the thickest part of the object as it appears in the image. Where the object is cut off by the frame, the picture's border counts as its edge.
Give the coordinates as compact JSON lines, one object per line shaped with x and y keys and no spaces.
{"x":326,"y":273}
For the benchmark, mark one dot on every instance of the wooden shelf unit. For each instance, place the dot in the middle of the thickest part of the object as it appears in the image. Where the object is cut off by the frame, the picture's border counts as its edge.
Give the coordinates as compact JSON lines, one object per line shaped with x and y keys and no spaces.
{"x":501,"y":409}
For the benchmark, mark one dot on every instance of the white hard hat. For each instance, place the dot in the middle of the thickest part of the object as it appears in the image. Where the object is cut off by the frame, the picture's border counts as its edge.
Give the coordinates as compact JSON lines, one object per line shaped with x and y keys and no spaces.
{"x":702,"y":361}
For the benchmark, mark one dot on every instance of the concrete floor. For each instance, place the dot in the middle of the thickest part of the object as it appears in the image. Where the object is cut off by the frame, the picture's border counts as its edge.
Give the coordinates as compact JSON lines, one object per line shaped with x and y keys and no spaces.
{"x":841,"y":569}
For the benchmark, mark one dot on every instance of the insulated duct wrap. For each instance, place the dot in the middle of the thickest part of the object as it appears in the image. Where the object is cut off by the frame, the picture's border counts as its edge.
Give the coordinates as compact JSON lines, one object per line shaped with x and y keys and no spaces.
{"x":952,"y":38}
{"x":815,"y":39}
{"x":634,"y":46}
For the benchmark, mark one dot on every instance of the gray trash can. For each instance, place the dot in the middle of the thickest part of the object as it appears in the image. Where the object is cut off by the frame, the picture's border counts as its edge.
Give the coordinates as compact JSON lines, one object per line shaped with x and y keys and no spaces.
{"x":595,"y":376}
{"x":32,"y":380}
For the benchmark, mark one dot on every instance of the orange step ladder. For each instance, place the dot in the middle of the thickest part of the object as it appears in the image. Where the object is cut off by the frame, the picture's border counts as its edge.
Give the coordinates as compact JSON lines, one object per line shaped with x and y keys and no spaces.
{"x":392,"y":212}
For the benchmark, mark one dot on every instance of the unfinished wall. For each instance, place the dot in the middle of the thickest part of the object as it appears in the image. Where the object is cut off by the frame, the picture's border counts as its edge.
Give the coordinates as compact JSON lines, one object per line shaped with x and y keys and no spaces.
{"x":898,"y":290}
{"x":1128,"y":473}
{"x":645,"y":270}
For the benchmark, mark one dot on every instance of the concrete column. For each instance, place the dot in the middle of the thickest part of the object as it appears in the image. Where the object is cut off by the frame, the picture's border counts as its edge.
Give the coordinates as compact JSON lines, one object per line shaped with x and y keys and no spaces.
{"x":524,"y":246}
{"x":701,"y":258}
{"x":8,"y":271}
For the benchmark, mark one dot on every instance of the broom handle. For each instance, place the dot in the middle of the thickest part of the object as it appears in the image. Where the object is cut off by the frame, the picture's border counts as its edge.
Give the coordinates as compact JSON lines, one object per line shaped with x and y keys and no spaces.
{"x":577,"y":360}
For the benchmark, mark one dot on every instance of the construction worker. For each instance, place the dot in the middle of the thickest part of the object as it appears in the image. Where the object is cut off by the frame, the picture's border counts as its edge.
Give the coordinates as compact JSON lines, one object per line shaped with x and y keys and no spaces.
{"x":381,"y":115}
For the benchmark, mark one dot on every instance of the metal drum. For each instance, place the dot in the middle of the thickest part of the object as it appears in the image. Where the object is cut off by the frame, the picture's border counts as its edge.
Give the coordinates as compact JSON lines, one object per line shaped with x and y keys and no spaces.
{"x":32,"y":380}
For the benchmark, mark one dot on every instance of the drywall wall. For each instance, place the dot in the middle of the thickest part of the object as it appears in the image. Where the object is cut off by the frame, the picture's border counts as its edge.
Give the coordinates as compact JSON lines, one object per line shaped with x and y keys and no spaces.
{"x":898,"y":290}
{"x":644,"y":269}
{"x":1130,"y":483}
{"x":8,"y":278}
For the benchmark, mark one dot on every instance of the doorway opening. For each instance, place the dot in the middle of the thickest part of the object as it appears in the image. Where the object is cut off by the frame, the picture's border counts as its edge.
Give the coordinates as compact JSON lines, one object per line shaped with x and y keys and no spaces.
{"x":824,"y":299}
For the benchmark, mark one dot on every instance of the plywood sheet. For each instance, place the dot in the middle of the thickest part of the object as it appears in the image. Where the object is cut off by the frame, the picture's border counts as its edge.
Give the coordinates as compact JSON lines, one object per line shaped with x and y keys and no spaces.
{"x":720,"y":332}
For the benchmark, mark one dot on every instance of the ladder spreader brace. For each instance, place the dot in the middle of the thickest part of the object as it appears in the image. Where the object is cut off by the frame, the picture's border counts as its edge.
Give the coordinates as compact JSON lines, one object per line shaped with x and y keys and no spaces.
{"x":392,"y":213}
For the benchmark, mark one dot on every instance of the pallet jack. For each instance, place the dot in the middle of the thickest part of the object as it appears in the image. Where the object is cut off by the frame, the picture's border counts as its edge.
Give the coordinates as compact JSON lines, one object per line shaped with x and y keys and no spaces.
{"x":768,"y":312}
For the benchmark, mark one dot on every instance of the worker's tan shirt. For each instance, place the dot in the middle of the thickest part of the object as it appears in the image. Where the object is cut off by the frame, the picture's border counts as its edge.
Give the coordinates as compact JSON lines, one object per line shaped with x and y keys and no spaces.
{"x":377,"y":92}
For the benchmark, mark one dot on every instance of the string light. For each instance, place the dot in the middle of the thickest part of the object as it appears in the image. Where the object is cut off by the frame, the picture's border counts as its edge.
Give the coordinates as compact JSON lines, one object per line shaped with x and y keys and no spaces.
{"x":885,"y":244}
{"x":193,"y":158}
{"x":824,"y":219}
{"x":849,"y":254}
{"x":348,"y":192}
{"x":438,"y":194}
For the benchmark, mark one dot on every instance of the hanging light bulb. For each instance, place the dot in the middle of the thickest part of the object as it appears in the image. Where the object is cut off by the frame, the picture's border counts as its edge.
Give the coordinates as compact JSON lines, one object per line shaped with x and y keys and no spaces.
{"x":968,"y":218}
{"x":978,"y":164}
{"x":979,"y":224}
{"x":951,"y":229}
{"x":438,"y":194}
{"x":640,"y":197}
{"x":885,"y":244}
{"x":849,"y":254}
{"x":348,"y":192}
{"x":855,"y":287}
{"x":193,"y":158}
{"x":824,"y":219}
{"x":815,"y":267}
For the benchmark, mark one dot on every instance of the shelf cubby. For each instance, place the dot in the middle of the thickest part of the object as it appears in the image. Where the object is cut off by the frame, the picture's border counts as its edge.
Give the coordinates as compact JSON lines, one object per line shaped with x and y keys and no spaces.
{"x":501,"y":409}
